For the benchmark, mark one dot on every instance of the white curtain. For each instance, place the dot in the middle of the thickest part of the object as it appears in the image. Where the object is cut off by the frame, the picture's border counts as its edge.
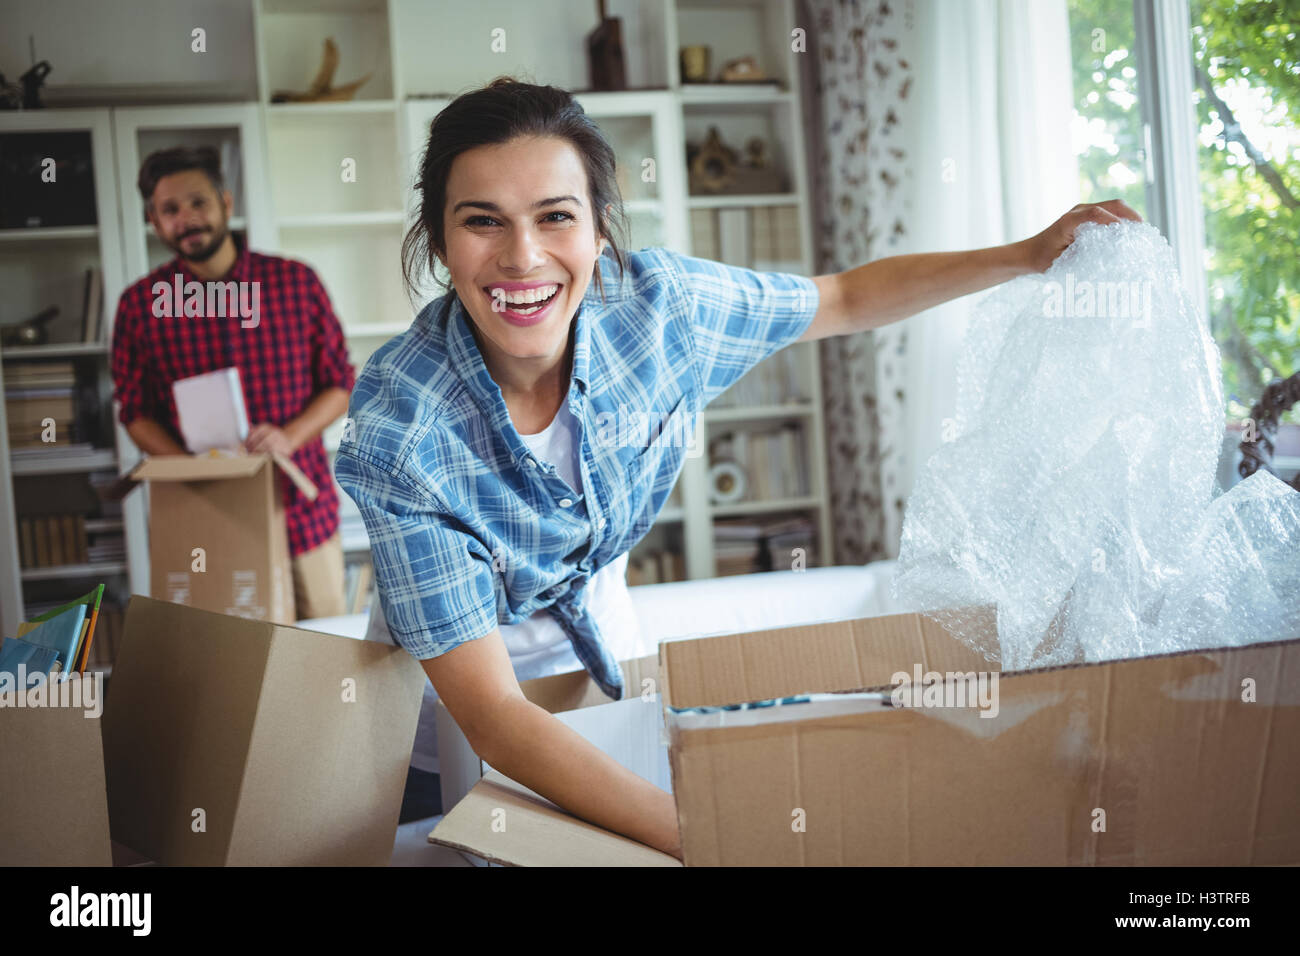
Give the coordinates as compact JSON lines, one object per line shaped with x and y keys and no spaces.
{"x":987,"y":129}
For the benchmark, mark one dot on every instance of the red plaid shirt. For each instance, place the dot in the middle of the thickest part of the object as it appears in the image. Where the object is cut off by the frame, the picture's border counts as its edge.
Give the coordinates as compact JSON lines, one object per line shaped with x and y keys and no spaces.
{"x":295,"y":351}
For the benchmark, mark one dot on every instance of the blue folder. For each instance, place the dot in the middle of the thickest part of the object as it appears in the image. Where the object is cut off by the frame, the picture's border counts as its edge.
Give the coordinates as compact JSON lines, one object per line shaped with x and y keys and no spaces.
{"x":38,"y":659}
{"x":62,"y":633}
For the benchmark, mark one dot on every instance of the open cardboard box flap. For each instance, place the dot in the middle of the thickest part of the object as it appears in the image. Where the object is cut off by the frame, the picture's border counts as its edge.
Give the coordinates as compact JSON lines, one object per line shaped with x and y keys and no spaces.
{"x":1180,"y":759}
{"x":217,"y":467}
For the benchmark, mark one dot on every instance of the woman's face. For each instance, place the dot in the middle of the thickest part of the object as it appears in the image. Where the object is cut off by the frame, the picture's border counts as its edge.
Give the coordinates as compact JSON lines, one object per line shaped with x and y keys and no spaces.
{"x":519,"y":225}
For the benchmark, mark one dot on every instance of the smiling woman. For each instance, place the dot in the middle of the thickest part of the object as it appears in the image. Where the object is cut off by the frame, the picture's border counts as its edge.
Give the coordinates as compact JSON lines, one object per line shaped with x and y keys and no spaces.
{"x":499,"y":509}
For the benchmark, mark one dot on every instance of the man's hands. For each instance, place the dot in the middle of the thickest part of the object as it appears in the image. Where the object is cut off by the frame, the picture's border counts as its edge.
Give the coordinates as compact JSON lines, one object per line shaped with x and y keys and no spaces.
{"x":1043,"y":248}
{"x":323,"y":409}
{"x":269,"y":439}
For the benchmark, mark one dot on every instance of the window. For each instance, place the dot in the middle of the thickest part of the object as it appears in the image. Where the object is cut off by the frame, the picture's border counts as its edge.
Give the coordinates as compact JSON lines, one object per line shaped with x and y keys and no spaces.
{"x":1206,"y":147}
{"x":1247,"y":90}
{"x":1107,"y":130}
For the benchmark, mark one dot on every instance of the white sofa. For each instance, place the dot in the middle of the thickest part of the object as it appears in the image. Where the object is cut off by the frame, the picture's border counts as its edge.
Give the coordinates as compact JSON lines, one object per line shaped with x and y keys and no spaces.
{"x":744,"y":602}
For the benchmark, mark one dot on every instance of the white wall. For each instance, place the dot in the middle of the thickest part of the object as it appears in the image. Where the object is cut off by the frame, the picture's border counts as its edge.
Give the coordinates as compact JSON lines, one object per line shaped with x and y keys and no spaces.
{"x":118,"y":50}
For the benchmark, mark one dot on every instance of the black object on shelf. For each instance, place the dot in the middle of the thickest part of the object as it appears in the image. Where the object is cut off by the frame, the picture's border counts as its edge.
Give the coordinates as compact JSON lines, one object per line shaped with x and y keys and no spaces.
{"x":30,"y":331}
{"x":46,"y":179}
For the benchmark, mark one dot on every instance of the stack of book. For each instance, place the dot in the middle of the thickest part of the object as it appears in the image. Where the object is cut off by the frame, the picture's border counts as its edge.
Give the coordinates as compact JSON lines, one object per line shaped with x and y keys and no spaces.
{"x":57,"y":641}
{"x":774,"y":381}
{"x":107,"y":634}
{"x":746,"y":546}
{"x":50,"y":540}
{"x":772,"y":459}
{"x":37,"y":393}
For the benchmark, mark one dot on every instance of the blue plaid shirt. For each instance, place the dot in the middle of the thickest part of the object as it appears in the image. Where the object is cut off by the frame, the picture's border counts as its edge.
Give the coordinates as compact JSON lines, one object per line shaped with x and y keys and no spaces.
{"x":467,"y":529}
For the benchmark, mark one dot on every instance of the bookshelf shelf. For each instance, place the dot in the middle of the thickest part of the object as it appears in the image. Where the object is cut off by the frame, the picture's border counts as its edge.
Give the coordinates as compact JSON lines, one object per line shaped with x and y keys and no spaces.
{"x":53,"y":350}
{"x":325,"y":110}
{"x":722,"y":94}
{"x":385,"y":330}
{"x":55,"y":465}
{"x":763,"y":507}
{"x":742,"y":201}
{"x":47,"y":233}
{"x":759,"y":412}
{"x":65,"y":380}
{"x":96,"y":569}
{"x":381,"y":217}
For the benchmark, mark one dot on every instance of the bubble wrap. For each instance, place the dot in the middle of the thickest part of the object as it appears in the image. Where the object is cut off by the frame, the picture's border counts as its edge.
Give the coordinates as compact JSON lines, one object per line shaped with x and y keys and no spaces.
{"x":1078,"y":495}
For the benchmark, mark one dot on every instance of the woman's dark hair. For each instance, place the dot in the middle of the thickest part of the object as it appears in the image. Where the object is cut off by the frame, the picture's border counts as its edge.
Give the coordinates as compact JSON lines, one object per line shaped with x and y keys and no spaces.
{"x":178,"y":159}
{"x":494,"y":114}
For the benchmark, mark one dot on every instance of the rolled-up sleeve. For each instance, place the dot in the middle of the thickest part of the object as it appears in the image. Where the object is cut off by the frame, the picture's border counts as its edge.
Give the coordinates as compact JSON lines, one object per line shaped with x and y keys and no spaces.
{"x":132,"y":388}
{"x":330,"y":365}
{"x":739,"y":317}
{"x":434,"y":578}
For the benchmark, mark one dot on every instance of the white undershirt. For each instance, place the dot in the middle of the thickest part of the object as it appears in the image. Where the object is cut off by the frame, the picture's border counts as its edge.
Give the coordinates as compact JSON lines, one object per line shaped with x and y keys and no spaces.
{"x":539,"y":643}
{"x":538,"y":646}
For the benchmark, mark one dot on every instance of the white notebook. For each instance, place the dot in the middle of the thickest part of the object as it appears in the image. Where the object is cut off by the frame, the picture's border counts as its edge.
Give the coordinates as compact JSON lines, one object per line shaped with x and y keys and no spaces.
{"x":211,"y":410}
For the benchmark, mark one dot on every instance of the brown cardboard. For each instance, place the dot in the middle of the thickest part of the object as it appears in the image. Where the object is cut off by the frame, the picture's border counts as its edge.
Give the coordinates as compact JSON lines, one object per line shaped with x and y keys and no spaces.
{"x":528,"y":829}
{"x":1185,"y":770}
{"x":232,"y":508}
{"x":55,"y":810}
{"x":294,"y":744}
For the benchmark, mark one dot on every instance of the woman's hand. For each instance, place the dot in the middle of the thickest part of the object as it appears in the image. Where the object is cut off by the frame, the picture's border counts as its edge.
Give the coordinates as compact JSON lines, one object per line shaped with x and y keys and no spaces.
{"x":1043,"y":248}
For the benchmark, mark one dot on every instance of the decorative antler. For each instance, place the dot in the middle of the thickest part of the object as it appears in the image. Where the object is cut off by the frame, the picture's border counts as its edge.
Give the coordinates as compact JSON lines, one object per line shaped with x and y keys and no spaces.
{"x":320,"y":90}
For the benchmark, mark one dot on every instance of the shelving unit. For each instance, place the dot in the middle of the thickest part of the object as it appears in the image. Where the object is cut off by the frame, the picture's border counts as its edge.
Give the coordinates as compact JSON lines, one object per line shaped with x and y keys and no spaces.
{"x":331,"y":184}
{"x":336,"y":175}
{"x":42,"y":266}
{"x":650,"y":121}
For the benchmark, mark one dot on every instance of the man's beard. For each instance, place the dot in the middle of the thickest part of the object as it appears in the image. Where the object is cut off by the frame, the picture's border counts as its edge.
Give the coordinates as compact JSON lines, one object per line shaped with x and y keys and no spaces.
{"x":203,"y":253}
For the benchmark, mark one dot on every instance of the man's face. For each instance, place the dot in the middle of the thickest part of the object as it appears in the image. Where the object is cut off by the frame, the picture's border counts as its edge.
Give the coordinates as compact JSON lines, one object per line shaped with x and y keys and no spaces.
{"x":498,"y":236}
{"x":189,"y":216}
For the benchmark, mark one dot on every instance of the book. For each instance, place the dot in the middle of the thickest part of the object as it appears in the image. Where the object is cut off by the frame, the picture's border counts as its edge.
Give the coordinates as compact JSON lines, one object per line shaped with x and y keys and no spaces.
{"x":89,"y":605}
{"x":211,"y":410}
{"x":55,"y":534}
{"x":60,"y":630}
{"x":92,"y":306}
{"x":35,"y":657}
{"x":42,"y":539}
{"x":27,"y":557}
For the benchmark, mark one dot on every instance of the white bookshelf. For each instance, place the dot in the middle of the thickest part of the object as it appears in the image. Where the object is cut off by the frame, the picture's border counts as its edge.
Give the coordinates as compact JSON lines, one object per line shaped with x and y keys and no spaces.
{"x":433,"y":64}
{"x":42,"y":266}
{"x":294,"y":201}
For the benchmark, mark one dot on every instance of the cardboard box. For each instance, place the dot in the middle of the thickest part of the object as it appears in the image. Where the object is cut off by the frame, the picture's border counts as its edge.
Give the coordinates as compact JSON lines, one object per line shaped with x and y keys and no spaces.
{"x":53,"y":805}
{"x":235,"y":742}
{"x":1182,"y":759}
{"x":233,"y":509}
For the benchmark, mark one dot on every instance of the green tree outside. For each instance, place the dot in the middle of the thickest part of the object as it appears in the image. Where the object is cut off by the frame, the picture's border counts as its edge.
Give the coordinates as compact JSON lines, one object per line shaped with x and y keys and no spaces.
{"x":1250,"y":190}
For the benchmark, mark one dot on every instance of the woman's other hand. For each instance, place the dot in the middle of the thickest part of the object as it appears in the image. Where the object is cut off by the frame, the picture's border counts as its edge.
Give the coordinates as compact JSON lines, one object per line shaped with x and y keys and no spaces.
{"x":1043,"y":248}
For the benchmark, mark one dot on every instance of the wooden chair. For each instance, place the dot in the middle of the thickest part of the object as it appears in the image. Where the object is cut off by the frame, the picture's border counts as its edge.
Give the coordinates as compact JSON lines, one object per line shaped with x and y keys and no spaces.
{"x":1277,"y":398}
